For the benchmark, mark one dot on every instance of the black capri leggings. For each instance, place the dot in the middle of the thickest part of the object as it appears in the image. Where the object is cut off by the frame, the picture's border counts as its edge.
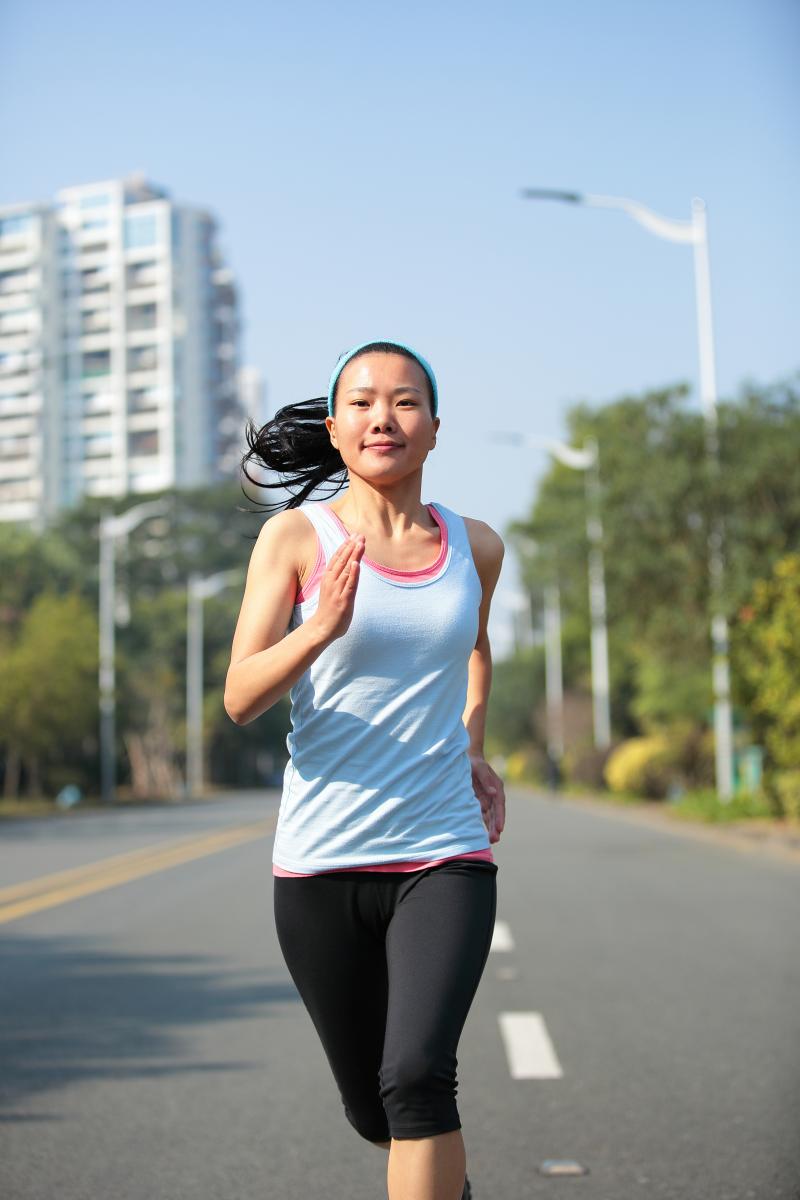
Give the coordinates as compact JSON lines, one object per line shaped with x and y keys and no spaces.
{"x":387,"y":964}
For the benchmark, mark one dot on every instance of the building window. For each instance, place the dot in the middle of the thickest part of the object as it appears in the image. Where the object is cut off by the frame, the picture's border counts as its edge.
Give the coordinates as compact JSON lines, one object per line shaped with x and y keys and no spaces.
{"x":141,"y":316}
{"x":143,"y":358}
{"x":97,"y":362}
{"x":142,"y":441}
{"x":143,"y":399}
{"x":12,"y":225}
{"x":95,"y":200}
{"x":13,"y":281}
{"x":97,"y":445}
{"x":140,"y":231}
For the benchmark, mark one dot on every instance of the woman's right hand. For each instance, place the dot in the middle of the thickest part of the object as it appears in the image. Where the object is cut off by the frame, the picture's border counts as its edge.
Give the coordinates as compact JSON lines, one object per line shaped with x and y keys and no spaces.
{"x":337,"y":590}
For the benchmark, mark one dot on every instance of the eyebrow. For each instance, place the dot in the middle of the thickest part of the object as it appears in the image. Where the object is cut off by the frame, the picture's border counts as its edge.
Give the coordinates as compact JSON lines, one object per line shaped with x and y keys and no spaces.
{"x":404,"y":388}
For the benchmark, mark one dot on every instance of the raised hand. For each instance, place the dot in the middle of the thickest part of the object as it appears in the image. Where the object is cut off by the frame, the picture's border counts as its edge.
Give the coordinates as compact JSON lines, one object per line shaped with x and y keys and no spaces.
{"x":337,"y":590}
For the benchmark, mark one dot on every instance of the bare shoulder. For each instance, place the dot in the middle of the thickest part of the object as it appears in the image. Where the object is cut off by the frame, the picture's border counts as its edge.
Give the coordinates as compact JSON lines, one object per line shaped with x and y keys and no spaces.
{"x":290,"y":537}
{"x":487,"y":546}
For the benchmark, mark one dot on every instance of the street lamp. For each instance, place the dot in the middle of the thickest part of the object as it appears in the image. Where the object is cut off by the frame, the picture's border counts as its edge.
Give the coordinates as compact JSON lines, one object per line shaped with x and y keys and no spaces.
{"x":110,"y":528}
{"x":695,"y":233}
{"x":588,"y":460}
{"x":198,"y":590}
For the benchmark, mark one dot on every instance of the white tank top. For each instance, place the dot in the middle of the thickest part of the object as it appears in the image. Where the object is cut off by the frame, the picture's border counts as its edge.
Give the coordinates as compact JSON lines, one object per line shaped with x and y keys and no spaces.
{"x":378,"y":770}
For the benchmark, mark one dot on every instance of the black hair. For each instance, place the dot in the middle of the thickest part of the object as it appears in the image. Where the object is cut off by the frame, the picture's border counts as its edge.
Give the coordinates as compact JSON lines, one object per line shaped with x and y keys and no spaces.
{"x":296,"y":444}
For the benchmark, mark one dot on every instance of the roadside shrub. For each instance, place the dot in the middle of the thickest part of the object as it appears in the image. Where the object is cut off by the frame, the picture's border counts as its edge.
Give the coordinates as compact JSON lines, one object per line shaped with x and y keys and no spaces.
{"x":786,"y":785}
{"x":642,"y":765}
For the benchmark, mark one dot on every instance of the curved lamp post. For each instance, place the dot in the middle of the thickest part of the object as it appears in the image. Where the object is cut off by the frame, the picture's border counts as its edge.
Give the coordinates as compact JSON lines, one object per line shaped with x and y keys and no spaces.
{"x":694,"y":233}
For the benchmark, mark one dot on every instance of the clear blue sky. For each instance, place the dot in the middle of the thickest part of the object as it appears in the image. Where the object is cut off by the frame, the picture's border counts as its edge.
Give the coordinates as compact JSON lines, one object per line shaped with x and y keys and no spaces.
{"x":364,"y":161}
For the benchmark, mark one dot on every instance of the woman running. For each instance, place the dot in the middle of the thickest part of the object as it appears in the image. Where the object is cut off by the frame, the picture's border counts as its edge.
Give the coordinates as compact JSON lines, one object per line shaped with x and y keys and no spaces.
{"x":373,"y":610}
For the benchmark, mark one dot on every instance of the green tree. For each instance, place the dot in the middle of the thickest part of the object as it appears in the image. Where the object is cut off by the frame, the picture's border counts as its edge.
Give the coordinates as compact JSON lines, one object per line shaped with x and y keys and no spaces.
{"x":48,"y":687}
{"x":658,"y":494}
{"x":767,"y":654}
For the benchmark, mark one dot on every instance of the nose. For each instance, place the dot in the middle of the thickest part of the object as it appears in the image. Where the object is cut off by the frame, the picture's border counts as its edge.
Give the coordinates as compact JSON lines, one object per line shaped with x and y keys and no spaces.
{"x":382,"y":418}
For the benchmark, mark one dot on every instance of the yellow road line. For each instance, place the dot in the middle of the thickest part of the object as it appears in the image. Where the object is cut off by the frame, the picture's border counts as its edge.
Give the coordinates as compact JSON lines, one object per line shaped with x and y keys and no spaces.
{"x":49,"y":890}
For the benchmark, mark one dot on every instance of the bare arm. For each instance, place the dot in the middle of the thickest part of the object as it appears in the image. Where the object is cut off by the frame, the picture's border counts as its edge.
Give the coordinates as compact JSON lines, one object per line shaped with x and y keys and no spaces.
{"x":266,"y":660}
{"x":487,"y":552}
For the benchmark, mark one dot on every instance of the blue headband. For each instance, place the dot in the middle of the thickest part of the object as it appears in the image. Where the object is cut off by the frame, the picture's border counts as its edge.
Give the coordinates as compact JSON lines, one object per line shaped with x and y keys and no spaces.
{"x":426,"y":366}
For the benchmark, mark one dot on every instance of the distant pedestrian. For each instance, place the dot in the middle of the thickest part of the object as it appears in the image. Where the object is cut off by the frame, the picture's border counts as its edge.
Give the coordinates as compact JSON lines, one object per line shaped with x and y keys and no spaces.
{"x":373,"y":610}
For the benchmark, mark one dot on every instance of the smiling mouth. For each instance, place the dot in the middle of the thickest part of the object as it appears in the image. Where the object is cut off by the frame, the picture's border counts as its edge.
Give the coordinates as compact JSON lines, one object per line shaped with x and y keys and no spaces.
{"x":384,"y":446}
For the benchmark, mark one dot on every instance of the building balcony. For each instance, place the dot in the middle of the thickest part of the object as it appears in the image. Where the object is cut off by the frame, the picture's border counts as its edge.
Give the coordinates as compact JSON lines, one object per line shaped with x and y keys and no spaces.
{"x":22,"y":425}
{"x":91,"y":259}
{"x":101,"y":472}
{"x":16,"y":491}
{"x":9,"y":301}
{"x":142,"y":422}
{"x":100,"y":283}
{"x":100,"y":404}
{"x":98,"y":384}
{"x":144,"y":275}
{"x":29,"y":403}
{"x":19,"y":343}
{"x":10,"y":242}
{"x":93,"y":342}
{"x":20,"y":322}
{"x":19,"y":282}
{"x":141,"y":379}
{"x":145,"y":336}
{"x":17,"y":260}
{"x":98,"y":321}
{"x":93,"y":302}
{"x":15,"y":362}
{"x":13,"y":384}
{"x":145,"y":400}
{"x":149,"y":293}
{"x":18,"y":468}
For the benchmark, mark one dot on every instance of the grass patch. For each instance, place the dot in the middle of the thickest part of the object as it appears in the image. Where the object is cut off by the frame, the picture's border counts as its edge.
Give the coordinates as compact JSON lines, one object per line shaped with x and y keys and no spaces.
{"x":705,"y":805}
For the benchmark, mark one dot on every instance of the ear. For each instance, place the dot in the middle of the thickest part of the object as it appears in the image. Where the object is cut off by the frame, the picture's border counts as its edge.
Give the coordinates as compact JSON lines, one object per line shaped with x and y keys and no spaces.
{"x":330,"y":425}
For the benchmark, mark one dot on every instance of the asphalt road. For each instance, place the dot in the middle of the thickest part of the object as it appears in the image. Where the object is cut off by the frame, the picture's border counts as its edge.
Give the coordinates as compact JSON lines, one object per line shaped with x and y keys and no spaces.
{"x":639,"y":1015}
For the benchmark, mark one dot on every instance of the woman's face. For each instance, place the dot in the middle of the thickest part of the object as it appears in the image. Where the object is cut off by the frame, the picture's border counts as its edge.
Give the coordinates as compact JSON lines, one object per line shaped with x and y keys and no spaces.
{"x":383,"y":398}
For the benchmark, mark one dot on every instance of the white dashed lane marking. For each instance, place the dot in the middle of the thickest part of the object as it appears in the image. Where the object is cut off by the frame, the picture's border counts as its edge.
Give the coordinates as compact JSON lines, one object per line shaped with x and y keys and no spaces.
{"x":501,"y":938}
{"x":529,"y":1051}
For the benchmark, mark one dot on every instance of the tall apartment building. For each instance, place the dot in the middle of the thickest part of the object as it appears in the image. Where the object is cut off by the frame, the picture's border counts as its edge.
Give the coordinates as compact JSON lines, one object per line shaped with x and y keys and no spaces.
{"x":119,"y":359}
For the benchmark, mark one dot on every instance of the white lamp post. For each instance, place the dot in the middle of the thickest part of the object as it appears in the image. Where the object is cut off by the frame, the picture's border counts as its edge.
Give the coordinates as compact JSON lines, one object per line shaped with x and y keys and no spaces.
{"x":198,"y":590}
{"x":110,"y":528}
{"x":695,"y":233}
{"x":588,"y":460}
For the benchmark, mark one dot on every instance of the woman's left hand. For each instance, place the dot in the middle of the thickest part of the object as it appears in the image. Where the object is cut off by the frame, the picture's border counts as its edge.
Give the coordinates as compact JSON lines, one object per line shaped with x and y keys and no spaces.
{"x":488,"y":787}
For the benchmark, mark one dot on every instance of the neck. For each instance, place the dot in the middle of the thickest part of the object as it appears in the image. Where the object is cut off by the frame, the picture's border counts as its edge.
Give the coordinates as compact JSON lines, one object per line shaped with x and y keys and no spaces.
{"x":390,"y":509}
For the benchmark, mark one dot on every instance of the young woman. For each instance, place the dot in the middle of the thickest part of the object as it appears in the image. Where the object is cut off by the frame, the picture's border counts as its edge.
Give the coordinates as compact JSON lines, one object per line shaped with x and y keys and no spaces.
{"x":373,"y":610}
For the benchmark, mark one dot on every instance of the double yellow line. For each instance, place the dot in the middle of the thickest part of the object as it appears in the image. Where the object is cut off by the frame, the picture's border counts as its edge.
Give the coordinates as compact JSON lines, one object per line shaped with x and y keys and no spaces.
{"x":22,"y":899}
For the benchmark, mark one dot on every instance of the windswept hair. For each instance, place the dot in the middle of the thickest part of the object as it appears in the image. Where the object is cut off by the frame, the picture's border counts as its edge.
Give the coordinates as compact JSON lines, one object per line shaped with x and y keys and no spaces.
{"x":296,"y":445}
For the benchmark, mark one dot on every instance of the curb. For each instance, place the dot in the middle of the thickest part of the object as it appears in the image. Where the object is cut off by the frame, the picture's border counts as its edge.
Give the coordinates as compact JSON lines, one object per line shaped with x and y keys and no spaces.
{"x":777,"y":843}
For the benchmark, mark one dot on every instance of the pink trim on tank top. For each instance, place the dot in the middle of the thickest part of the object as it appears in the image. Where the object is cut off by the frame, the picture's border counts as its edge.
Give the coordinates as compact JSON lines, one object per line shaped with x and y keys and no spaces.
{"x":483,"y":855}
{"x":309,"y":585}
{"x":393,"y":572}
{"x":389,"y":572}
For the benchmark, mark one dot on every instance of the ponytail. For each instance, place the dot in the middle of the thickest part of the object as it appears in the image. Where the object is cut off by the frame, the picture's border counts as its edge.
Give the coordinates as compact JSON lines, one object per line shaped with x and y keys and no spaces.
{"x":295,"y":444}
